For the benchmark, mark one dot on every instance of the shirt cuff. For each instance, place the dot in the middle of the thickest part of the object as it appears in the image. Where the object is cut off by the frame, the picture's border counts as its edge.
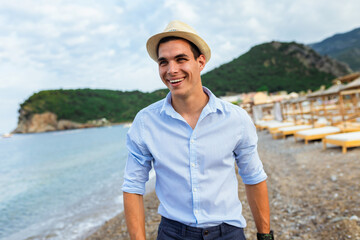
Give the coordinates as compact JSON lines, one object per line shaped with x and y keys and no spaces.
{"x":133,"y":188}
{"x":255,"y":179}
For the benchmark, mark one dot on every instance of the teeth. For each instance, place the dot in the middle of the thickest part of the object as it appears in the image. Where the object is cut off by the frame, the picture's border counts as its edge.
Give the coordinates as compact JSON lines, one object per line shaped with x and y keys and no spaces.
{"x":176,"y":80}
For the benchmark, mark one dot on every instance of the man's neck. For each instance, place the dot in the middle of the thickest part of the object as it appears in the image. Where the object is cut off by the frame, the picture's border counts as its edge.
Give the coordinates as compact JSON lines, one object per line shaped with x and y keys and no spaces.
{"x":190,"y":107}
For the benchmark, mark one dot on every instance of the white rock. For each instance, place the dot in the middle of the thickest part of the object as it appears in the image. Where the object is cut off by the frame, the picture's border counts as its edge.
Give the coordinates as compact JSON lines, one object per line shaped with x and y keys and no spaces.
{"x":337,"y":219}
{"x":354,"y":217}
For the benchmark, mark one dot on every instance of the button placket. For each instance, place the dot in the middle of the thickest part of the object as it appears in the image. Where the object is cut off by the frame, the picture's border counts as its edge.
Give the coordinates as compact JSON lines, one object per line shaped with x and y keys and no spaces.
{"x":193,"y":172}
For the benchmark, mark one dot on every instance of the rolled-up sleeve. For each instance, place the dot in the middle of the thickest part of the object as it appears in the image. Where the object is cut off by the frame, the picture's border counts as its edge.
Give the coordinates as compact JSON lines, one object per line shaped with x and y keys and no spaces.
{"x":247,"y":158}
{"x":139,"y":159}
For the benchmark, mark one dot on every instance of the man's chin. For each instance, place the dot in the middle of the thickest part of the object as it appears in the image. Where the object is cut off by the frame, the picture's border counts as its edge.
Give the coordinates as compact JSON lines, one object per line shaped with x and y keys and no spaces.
{"x":177,"y":92}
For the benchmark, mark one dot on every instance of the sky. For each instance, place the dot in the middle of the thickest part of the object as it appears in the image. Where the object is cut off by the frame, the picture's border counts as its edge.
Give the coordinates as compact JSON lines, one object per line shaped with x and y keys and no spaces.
{"x":101,"y":44}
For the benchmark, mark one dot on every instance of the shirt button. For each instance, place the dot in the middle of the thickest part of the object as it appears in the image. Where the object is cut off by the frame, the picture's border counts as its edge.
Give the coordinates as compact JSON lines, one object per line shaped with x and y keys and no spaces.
{"x":192,"y":141}
{"x":195,"y":189}
{"x":196,"y":211}
{"x":193,"y":164}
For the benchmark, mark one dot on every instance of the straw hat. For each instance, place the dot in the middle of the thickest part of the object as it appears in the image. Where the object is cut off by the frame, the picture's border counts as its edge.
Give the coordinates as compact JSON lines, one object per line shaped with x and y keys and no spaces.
{"x":177,"y":29}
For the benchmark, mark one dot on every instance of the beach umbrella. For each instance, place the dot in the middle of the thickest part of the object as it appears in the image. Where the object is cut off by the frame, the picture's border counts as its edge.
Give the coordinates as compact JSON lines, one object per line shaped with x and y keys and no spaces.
{"x":332,"y":91}
{"x":347,"y":78}
{"x":353,"y":85}
{"x":312,"y":97}
{"x":352,"y":89}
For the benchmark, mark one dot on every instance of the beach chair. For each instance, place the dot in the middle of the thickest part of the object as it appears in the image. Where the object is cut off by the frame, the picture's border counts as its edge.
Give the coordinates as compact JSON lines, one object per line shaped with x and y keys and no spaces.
{"x":286,"y":131}
{"x":349,"y":126}
{"x":275,"y":126}
{"x":316,"y":133}
{"x":345,"y":140}
{"x":261,"y":125}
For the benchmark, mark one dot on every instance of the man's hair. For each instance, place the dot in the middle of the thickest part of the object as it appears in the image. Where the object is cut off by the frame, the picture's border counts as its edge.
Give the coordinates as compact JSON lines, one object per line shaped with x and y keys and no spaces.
{"x":195,"y":50}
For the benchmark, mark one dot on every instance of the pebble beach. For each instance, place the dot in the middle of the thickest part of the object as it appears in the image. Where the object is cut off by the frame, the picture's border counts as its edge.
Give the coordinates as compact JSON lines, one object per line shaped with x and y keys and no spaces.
{"x":313,"y":194}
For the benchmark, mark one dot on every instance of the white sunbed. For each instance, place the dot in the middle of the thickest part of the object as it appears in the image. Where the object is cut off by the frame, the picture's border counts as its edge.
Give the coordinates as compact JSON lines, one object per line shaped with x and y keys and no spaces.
{"x":261,"y":125}
{"x":345,"y":140}
{"x":274,"y":126}
{"x":285,"y":131}
{"x":316,"y":133}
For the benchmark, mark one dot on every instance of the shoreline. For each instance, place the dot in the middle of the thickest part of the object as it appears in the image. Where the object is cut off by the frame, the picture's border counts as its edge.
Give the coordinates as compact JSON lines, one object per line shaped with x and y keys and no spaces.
{"x":313,"y":193}
{"x":101,"y":231}
{"x":125,"y":124}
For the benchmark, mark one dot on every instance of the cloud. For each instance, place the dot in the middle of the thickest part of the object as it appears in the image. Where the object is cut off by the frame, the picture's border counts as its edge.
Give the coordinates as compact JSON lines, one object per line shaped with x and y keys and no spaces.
{"x":183,"y":10}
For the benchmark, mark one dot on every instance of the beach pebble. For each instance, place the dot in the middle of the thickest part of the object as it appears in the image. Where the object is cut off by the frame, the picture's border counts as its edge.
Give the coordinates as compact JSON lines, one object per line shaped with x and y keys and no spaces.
{"x":354,"y":217}
{"x":337,"y":219}
{"x":333,"y":178}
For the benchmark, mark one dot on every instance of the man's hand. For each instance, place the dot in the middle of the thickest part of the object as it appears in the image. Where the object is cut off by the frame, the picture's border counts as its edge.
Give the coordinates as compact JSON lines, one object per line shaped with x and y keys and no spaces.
{"x":134,"y":215}
{"x":258,"y":199}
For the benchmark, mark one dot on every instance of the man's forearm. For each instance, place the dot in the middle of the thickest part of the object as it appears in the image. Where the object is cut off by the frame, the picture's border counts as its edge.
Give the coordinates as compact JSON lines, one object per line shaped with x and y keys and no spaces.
{"x":134,"y":215}
{"x":258,"y":199}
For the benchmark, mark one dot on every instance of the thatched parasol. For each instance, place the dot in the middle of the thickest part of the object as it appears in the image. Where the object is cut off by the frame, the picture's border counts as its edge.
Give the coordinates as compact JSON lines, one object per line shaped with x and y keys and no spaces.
{"x":353,"y":88}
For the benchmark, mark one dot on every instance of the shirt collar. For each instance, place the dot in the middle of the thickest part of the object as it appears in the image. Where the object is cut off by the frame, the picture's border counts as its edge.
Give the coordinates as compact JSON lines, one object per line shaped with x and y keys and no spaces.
{"x":213,"y":105}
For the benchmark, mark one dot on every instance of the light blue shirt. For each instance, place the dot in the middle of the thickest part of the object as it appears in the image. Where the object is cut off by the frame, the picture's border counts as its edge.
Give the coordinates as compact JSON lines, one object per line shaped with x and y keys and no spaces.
{"x":195,"y":168}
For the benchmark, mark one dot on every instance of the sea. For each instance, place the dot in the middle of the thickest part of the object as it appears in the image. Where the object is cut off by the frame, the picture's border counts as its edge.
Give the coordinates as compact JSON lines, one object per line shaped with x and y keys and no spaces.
{"x":61,"y":185}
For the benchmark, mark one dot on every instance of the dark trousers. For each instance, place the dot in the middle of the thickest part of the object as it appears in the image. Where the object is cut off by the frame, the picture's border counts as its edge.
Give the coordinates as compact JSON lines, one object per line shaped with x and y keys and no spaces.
{"x":173,"y":230}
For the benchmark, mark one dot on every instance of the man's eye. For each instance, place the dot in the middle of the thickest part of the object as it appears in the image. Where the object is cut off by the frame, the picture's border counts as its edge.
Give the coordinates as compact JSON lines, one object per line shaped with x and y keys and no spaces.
{"x":162,"y":63}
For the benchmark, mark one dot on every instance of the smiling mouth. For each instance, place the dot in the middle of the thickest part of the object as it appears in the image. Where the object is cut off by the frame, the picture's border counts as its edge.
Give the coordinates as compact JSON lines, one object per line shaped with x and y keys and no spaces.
{"x":176,"y":80}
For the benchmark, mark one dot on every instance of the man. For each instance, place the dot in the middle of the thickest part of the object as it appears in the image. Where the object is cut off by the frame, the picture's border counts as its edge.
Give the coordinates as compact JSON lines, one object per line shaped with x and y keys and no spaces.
{"x":193,"y":140}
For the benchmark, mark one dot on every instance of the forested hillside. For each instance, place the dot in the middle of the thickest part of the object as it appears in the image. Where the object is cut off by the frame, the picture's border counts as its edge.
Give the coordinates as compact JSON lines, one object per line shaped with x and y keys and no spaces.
{"x":81,"y":105}
{"x":273,"y":67}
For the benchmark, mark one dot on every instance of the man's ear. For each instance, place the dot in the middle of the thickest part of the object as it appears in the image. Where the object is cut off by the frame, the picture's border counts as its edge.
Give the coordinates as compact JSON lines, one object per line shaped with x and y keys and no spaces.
{"x":202,"y":61}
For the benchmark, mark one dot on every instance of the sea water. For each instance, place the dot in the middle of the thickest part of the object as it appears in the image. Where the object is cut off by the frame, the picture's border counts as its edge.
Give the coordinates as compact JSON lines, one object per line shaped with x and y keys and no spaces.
{"x":60,"y":185}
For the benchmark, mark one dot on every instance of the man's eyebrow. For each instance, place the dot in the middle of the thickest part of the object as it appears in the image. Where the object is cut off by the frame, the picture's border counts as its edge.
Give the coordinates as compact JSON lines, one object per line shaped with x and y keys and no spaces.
{"x":181,"y":55}
{"x":161,"y":59}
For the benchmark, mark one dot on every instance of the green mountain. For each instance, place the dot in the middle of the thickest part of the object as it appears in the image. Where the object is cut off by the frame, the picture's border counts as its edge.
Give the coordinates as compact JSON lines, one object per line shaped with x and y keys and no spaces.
{"x":81,"y":105}
{"x":344,"y":47}
{"x":273,"y":67}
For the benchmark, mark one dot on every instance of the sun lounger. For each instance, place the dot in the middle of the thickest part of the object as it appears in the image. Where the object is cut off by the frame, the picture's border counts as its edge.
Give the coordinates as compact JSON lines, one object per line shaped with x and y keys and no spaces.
{"x":344,"y":140}
{"x":316,"y":133}
{"x":349,"y":127}
{"x":285,"y":131}
{"x":261,"y":125}
{"x":274,"y":126}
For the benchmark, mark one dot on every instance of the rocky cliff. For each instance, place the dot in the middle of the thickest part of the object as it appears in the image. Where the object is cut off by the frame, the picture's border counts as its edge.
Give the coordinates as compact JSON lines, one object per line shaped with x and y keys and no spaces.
{"x":46,"y":122}
{"x":311,"y":59}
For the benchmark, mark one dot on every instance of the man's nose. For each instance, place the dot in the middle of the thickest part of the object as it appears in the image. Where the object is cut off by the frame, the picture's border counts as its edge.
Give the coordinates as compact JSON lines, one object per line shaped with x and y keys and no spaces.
{"x":173,"y":67}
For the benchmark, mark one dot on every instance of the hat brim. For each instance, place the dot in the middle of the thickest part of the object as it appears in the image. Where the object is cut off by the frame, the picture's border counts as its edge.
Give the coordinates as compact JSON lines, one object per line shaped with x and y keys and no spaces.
{"x":153,"y":42}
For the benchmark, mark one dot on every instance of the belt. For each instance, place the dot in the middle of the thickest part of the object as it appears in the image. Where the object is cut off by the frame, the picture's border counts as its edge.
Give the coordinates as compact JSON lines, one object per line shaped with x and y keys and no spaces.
{"x":184,"y":229}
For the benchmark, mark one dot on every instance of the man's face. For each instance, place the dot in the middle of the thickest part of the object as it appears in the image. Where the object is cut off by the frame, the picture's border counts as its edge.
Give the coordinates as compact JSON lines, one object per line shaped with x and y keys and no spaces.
{"x":178,"y":68}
